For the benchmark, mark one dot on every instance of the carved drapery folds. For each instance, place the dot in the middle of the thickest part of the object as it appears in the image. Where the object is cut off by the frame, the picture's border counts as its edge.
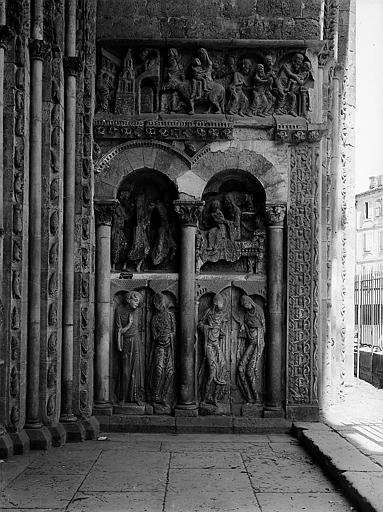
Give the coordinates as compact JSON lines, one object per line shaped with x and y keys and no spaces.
{"x":247,"y":83}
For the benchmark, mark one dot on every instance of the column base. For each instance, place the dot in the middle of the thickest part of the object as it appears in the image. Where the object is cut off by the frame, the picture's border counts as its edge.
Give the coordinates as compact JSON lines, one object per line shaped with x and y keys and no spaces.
{"x":40,"y":438}
{"x":186,"y":410}
{"x":58,"y":434}
{"x":273,"y":412}
{"x":21,"y":443}
{"x":92,"y":427}
{"x":75,"y":432}
{"x":6,"y":446}
{"x":252,"y":410}
{"x":103,"y":409}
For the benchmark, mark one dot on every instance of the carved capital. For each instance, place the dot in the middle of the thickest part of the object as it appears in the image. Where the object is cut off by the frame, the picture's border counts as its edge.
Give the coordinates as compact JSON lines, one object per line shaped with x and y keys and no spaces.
{"x":72,"y":66}
{"x":104,"y":211}
{"x":189,"y":211}
{"x":6,"y":34}
{"x":38,"y":49}
{"x":275,"y":214}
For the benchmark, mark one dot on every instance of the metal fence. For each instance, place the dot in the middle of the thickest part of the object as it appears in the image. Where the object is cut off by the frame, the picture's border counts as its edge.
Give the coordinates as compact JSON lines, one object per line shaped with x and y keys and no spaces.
{"x":368,"y":293}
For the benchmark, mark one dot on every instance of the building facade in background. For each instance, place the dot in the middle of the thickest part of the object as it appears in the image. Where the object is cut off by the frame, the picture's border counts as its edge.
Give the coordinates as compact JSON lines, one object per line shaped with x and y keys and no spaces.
{"x":369,"y":227}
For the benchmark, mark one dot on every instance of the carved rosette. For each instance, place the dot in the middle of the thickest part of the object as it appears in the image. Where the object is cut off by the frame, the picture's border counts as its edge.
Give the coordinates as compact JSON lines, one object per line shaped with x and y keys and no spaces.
{"x":6,"y":34}
{"x":104,"y":211}
{"x":302,"y":277}
{"x":72,"y":66}
{"x":38,"y":49}
{"x":189,"y":211}
{"x":275,"y":214}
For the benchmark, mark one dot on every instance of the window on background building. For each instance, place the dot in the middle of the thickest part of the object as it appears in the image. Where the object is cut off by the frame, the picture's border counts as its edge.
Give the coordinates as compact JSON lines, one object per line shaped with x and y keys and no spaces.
{"x":366,"y":211}
{"x":367,"y":241}
{"x":381,"y":241}
{"x":378,"y":208}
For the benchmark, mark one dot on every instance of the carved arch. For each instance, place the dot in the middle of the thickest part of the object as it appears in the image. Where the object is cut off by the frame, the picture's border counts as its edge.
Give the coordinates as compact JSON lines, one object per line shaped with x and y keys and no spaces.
{"x":131,"y":156}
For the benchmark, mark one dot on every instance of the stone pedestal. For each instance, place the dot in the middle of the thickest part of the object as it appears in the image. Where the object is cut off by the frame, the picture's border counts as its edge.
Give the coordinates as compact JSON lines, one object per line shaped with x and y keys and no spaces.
{"x":21,"y":443}
{"x":75,"y":431}
{"x":39,"y":438}
{"x":6,"y":445}
{"x":275,"y":215}
{"x":92,"y":427}
{"x":188,"y":211}
{"x":58,"y":434}
{"x":103,"y":213}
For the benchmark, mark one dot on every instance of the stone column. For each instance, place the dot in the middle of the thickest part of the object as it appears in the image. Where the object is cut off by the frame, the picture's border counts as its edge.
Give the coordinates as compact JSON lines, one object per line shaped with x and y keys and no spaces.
{"x":72,"y":66}
{"x":275,"y":215}
{"x":104,"y":215}
{"x":6,"y":447}
{"x":189,"y":211}
{"x":39,"y":436}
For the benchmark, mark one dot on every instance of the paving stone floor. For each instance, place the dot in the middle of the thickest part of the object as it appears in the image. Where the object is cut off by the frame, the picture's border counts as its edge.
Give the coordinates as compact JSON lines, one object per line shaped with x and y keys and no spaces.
{"x":170,"y":473}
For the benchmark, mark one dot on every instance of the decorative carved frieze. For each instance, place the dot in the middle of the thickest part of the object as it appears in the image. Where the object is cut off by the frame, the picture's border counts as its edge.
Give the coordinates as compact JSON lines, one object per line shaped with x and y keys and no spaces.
{"x":189,"y":211}
{"x":289,"y":132}
{"x":302,"y":276}
{"x":104,"y":212}
{"x":171,"y":130}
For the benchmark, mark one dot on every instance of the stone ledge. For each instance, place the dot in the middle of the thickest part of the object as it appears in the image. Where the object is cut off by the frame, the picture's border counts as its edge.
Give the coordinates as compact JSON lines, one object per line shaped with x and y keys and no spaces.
{"x":360,"y":479}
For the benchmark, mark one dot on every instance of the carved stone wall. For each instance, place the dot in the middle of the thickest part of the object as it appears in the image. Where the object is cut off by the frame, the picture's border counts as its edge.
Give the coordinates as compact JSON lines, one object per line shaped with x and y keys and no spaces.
{"x":84,"y":238}
{"x":303,"y":299}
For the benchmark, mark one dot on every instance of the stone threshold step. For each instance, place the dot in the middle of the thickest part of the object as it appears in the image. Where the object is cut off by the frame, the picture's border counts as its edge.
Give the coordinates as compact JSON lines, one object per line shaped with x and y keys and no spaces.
{"x":202,"y":424}
{"x":360,"y":479}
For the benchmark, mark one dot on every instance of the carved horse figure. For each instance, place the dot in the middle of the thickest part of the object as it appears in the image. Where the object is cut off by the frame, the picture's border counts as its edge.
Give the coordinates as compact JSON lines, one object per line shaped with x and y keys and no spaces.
{"x":213,"y":95}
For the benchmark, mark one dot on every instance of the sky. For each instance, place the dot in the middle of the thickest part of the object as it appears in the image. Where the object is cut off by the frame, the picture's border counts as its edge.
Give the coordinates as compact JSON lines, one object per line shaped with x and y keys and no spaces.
{"x":369,"y":92}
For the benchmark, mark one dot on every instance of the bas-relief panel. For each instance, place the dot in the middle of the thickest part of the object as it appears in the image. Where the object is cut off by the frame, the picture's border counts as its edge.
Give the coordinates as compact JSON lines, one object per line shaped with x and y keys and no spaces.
{"x":240,"y":82}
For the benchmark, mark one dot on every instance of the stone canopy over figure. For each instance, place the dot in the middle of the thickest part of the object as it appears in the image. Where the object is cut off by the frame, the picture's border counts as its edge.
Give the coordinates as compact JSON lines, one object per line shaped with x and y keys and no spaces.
{"x":128,"y":340}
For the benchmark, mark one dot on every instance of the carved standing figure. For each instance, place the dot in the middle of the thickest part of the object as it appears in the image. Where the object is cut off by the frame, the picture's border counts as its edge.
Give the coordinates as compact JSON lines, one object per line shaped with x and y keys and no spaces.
{"x":140,"y":244}
{"x":296,"y":78}
{"x":214,"y":328}
{"x":252,"y":330}
{"x":164,"y":245}
{"x":131,"y":389}
{"x":163,"y":327}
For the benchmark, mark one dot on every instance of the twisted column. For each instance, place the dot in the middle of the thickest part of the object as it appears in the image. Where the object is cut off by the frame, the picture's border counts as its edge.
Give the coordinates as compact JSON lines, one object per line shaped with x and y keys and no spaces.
{"x":189,"y":212}
{"x":275,"y":216}
{"x":104,"y":214}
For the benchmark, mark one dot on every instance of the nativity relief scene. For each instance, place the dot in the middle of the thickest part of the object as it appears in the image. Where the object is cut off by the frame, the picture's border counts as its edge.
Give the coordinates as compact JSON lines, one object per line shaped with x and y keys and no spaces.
{"x":171,"y":81}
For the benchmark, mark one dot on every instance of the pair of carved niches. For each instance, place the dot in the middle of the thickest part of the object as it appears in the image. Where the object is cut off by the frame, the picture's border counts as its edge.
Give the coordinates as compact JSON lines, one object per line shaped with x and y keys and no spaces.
{"x":236,"y":81}
{"x":230,"y":352}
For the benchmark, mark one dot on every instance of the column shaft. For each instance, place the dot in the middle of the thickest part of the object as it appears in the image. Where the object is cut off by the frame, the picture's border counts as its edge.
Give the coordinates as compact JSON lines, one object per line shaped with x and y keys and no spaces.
{"x":187,"y":320}
{"x":101,"y":391}
{"x":38,"y":52}
{"x":69,"y":213}
{"x":275,"y":305}
{"x":68,"y":247}
{"x":104,"y":213}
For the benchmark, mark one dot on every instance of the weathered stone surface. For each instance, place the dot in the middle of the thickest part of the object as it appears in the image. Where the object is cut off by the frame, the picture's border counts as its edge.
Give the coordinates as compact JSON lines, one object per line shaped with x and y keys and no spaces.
{"x":132,"y":501}
{"x":315,"y":502}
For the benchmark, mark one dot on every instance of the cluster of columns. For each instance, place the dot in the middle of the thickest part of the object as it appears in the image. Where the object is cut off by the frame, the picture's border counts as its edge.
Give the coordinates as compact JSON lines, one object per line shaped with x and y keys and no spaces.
{"x":189,"y":212}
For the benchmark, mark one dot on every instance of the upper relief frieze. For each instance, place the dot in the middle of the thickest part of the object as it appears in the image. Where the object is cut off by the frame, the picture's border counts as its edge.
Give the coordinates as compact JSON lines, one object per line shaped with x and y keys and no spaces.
{"x":236,"y":83}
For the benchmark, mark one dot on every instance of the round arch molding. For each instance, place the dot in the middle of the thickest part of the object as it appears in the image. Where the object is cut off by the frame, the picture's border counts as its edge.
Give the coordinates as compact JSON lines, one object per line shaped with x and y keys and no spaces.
{"x":119,"y":162}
